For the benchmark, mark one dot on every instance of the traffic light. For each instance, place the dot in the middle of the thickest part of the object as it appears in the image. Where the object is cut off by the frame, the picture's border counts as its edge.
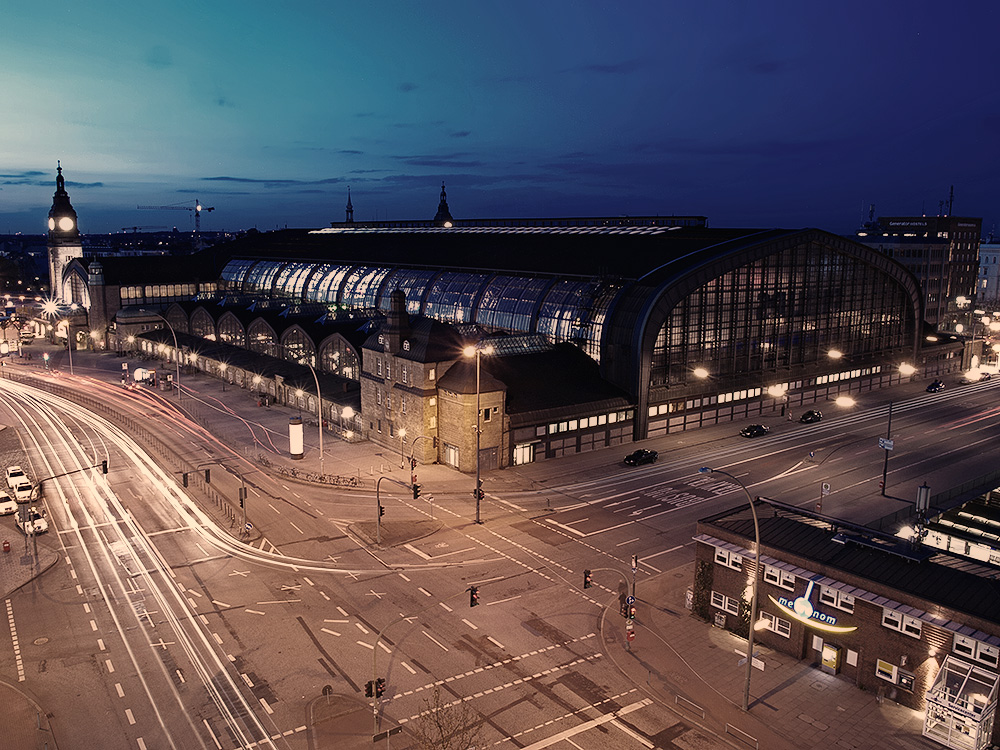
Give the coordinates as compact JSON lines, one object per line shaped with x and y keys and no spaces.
{"x":623,"y":609}
{"x":104,"y":467}
{"x":416,"y":490}
{"x":379,"y":687}
{"x":369,"y":689}
{"x":478,"y":494}
{"x":473,"y":596}
{"x":586,"y":579}
{"x":631,"y":612}
{"x":243,"y":496}
{"x":208,"y":476}
{"x":381,"y":510}
{"x":184,"y":478}
{"x":413,"y":463}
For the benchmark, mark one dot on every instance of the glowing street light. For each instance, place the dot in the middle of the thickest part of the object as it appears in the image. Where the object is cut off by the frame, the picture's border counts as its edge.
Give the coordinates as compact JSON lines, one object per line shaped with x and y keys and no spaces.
{"x":478,"y":351}
{"x":700,"y":372}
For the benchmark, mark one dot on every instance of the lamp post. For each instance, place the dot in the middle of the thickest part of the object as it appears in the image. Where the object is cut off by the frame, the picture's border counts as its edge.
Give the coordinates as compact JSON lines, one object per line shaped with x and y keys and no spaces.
{"x":756,"y":580}
{"x":402,"y":446}
{"x":177,"y":349}
{"x":319,"y":408}
{"x":51,"y":309}
{"x":477,"y":351}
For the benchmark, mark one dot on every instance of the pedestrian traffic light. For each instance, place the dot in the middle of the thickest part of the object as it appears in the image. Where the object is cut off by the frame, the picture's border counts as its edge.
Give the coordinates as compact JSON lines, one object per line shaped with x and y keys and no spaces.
{"x":586,"y":579}
{"x":243,"y":496}
{"x":208,"y":476}
{"x":379,"y":687}
{"x":104,"y":467}
{"x":381,"y":510}
{"x":473,"y":596}
{"x":184,"y":478}
{"x":369,"y":689}
{"x":413,"y":463}
{"x":623,"y":609}
{"x":416,"y":491}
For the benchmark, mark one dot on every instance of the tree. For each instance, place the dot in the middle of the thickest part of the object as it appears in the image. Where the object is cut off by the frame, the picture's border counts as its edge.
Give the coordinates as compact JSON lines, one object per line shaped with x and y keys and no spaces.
{"x":446,"y":726}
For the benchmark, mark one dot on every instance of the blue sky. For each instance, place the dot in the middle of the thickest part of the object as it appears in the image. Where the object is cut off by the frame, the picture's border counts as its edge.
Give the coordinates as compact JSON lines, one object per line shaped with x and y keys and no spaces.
{"x":753,"y":114}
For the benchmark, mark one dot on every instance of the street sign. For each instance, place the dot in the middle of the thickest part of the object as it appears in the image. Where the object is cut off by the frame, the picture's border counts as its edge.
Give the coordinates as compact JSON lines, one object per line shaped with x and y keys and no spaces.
{"x":629,"y":624}
{"x":248,"y":526}
{"x":825,"y":489}
{"x":885,"y":444}
{"x":630,"y":635}
{"x":635,"y":562}
{"x":386,"y":734}
{"x":630,"y":599}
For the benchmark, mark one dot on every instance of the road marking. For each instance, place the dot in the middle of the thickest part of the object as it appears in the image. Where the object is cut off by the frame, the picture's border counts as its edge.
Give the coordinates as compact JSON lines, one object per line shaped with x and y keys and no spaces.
{"x":331,"y":632}
{"x":86,"y":608}
{"x":109,"y":665}
{"x":361,"y":627}
{"x":501,"y":601}
{"x":565,"y":527}
{"x":384,"y":647}
{"x":100,"y":644}
{"x":219,"y":640}
{"x":217,"y":603}
{"x":297,"y":528}
{"x":622,"y":544}
{"x":192,"y":591}
{"x":416,"y":552}
{"x":588,"y":725}
{"x":93,"y":625}
{"x":424,"y":591}
{"x":246,"y":679}
{"x":404,"y":577}
{"x":129,"y":716}
{"x":638,"y":737}
{"x":515,"y":507}
{"x":408,"y":668}
{"x":366,"y":645}
{"x":118,"y":688}
{"x":243,"y":573}
{"x":469,"y":624}
{"x":274,"y":509}
{"x":279,"y":601}
{"x":142,"y":744}
{"x":308,"y":581}
{"x":341,"y":610}
{"x":271,"y":710}
{"x":494,"y":641}
{"x":435,"y":640}
{"x":662,"y":552}
{"x":251,"y":611}
{"x":337,"y":621}
{"x":324,"y":595}
{"x":215,"y":739}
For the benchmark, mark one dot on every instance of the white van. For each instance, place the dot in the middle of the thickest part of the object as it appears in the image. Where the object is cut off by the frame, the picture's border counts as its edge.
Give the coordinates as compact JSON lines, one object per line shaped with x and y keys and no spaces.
{"x":7,"y":504}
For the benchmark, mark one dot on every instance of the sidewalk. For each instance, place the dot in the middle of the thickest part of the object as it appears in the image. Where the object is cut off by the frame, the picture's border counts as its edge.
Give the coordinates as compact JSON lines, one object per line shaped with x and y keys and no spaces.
{"x":682,"y":662}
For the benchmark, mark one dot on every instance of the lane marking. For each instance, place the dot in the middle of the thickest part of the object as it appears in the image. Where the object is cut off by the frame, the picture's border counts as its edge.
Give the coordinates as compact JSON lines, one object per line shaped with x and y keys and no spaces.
{"x":494,"y":641}
{"x":129,"y":716}
{"x":474,"y":627}
{"x":331,"y":632}
{"x":251,"y":611}
{"x":435,"y":640}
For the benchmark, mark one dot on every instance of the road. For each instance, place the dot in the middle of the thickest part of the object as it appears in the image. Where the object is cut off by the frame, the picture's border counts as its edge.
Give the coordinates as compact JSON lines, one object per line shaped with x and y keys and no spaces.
{"x":165,"y":626}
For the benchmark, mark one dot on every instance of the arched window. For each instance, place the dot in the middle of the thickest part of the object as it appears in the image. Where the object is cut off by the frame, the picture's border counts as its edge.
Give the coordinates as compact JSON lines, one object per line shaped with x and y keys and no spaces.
{"x":231,"y":330}
{"x":262,"y":339}
{"x":202,"y":324}
{"x":338,"y":357}
{"x":298,"y":347}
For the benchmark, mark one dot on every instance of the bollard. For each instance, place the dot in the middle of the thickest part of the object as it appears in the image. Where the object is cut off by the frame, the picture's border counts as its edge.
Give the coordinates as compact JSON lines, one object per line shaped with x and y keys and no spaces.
{"x":6,"y":546}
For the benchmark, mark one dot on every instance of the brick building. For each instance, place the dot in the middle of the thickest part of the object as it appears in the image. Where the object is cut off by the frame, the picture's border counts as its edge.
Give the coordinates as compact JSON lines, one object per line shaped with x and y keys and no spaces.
{"x":914,"y":624}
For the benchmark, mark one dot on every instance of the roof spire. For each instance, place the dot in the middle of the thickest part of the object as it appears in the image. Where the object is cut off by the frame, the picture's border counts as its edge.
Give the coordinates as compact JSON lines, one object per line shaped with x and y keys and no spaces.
{"x":350,"y":208}
{"x":443,"y":216}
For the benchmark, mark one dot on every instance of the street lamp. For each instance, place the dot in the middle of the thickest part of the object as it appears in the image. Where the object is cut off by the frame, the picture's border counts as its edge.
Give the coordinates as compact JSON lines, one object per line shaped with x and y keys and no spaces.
{"x":402,"y":445}
{"x":51,"y":309}
{"x":477,"y":351}
{"x":756,"y":580}
{"x":177,"y":349}
{"x":319,"y":404}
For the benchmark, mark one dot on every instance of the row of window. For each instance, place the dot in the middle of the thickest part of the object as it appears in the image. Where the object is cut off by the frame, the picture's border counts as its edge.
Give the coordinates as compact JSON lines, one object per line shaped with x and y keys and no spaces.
{"x":571,"y":425}
{"x":892,"y":619}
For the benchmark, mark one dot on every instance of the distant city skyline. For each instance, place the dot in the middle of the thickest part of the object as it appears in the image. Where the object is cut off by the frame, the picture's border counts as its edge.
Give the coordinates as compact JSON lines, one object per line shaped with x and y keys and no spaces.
{"x":754,"y":116}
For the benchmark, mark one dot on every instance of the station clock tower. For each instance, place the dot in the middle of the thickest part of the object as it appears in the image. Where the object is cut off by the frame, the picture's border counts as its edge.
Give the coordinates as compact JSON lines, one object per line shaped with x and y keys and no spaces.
{"x":64,"y":236}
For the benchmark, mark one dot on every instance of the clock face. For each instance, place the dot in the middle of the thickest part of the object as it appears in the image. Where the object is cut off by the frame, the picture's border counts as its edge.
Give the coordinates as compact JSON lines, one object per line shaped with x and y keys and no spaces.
{"x":65,"y":223}
{"x":52,"y":223}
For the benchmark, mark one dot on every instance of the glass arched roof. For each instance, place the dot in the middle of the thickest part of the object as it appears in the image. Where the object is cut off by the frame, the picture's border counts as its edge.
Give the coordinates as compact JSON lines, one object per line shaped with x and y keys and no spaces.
{"x":558,"y":308}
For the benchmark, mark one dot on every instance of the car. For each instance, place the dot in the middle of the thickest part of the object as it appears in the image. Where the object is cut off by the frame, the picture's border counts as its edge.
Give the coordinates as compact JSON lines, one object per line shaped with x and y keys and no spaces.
{"x":811,"y":416}
{"x":755,"y":430}
{"x":15,"y":474}
{"x":7,"y":504}
{"x":32,"y":521}
{"x":23,"y":491}
{"x":974,"y":376}
{"x":641,"y":456}
{"x":936,"y":386}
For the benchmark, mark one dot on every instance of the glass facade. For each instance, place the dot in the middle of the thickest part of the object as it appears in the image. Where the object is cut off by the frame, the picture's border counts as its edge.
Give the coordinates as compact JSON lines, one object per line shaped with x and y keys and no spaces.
{"x":558,"y":308}
{"x":789,"y":308}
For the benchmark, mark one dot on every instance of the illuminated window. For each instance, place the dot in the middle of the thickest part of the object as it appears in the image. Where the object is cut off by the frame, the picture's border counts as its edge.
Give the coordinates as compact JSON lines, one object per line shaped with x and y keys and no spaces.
{"x":779,"y":577}
{"x":729,"y":559}
{"x":776,"y":624}
{"x":836,"y":598}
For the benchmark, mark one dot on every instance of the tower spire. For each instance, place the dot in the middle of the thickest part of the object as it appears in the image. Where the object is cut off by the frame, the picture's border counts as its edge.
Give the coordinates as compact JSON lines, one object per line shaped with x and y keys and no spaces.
{"x":350,"y":208}
{"x":443,"y":216}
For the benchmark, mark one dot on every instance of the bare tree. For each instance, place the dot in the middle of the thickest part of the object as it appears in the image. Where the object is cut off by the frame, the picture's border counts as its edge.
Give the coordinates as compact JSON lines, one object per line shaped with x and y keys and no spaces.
{"x":446,"y":726}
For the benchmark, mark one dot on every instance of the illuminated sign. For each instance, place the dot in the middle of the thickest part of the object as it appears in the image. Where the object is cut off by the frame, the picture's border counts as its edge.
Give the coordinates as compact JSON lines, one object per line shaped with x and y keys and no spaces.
{"x":802,"y":610}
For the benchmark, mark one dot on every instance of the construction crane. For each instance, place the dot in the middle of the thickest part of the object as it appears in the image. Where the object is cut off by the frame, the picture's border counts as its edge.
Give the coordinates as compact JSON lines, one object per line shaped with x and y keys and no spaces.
{"x":197,"y":208}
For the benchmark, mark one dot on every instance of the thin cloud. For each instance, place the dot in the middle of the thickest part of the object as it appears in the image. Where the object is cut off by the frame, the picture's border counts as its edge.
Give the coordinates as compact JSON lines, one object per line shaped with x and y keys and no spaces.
{"x":407,"y":86}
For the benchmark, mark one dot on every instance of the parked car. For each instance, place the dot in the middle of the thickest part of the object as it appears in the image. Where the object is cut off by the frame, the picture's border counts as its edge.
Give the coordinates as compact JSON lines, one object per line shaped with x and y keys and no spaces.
{"x":811,"y":416}
{"x":32,"y":521}
{"x":7,"y":504}
{"x":936,"y":386}
{"x":641,"y":456}
{"x":15,"y":474}
{"x":755,"y":430}
{"x":22,"y":491}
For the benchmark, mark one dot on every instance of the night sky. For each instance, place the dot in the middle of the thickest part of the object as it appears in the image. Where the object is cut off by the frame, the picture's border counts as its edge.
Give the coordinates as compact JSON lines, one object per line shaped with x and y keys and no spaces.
{"x":754,"y":114}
